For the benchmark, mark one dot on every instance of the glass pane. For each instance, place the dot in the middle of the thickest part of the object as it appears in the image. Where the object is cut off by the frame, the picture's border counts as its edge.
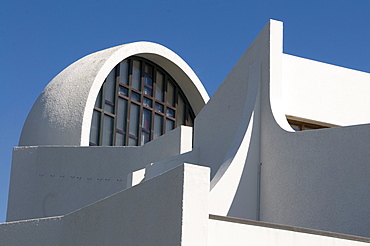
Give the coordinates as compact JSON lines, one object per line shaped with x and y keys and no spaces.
{"x":158,"y":125}
{"x":169,"y":125}
{"x":136,"y":77}
{"x":159,"y":87}
{"x":147,"y":102}
{"x":170,"y":112}
{"x":148,"y":80}
{"x":145,"y":137}
{"x":98,"y":100}
{"x":147,"y":120}
{"x":95,"y":128}
{"x":123,"y":72}
{"x":148,"y":90}
{"x":180,"y":111}
{"x":123,"y":91}
{"x":135,"y":96}
{"x":132,"y":142}
{"x":120,"y":139}
{"x":170,"y":93}
{"x":295,"y":127}
{"x":107,"y":131}
{"x":134,"y":119}
{"x":108,"y":107}
{"x":149,"y":70}
{"x":110,"y":86}
{"x":159,"y":107}
{"x":122,"y":114}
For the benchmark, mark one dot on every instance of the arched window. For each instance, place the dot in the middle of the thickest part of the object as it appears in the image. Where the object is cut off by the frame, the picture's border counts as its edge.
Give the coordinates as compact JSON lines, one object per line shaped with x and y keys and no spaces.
{"x":137,"y":103}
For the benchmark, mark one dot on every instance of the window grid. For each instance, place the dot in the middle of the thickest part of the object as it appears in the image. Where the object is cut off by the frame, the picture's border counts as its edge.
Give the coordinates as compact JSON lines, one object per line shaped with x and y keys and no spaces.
{"x":151,"y":107}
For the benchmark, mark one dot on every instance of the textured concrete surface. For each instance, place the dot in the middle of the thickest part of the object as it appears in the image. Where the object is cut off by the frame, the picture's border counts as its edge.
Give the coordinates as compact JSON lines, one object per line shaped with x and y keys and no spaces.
{"x":230,"y":233}
{"x":62,"y":113}
{"x":170,"y":209}
{"x":324,"y":92}
{"x":50,"y":181}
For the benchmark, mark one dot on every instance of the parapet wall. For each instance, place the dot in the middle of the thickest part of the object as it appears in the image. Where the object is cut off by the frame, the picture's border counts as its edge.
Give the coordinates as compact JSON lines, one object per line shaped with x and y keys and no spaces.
{"x":51,"y":181}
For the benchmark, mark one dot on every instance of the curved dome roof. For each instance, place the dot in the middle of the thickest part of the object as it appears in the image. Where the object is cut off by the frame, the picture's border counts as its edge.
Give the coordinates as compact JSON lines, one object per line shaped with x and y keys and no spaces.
{"x":62,"y":113}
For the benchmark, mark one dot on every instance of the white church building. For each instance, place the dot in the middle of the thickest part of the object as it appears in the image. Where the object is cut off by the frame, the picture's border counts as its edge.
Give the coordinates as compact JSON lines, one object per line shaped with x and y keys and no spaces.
{"x":125,"y":147}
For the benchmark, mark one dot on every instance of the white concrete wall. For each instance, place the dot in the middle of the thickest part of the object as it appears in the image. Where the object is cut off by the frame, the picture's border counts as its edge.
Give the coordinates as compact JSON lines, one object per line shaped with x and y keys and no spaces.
{"x":324,"y":92}
{"x":62,"y":113}
{"x":40,"y":232}
{"x":170,"y":209}
{"x":227,"y":132}
{"x":228,"y":233}
{"x":50,"y":181}
{"x":316,"y":179}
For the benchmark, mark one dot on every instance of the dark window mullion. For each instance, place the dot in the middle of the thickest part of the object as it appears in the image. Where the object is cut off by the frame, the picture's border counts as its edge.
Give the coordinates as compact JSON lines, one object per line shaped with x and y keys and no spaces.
{"x":115,"y":105}
{"x":165,"y":103}
{"x":142,"y":85}
{"x":186,"y":112}
{"x":130,"y":68}
{"x":128,"y":121}
{"x":102,"y":115}
{"x":129,"y":105}
{"x":151,"y":137}
{"x":142,"y":75}
{"x":176,"y":105}
{"x":154,"y":79}
{"x":118,"y":74}
{"x":140,"y":125}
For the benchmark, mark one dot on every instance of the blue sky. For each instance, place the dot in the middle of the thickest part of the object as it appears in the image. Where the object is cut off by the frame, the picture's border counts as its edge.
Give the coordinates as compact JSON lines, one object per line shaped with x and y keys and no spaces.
{"x":39,"y":38}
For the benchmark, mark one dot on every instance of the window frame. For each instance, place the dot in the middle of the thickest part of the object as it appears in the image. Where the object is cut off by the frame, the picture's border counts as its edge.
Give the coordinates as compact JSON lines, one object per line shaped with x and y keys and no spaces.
{"x":188,"y":116}
{"x":307,"y":124}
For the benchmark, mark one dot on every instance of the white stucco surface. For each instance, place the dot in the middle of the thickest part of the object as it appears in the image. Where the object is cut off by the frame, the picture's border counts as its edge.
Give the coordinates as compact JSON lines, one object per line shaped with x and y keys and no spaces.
{"x":129,"y":214}
{"x":227,"y":233}
{"x":46,"y":231}
{"x":324,"y":92}
{"x":179,"y":197}
{"x":49,"y":181}
{"x":321,"y":183}
{"x":169,"y":209}
{"x":62,"y":113}
{"x":232,"y":146}
{"x":315,"y":179}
